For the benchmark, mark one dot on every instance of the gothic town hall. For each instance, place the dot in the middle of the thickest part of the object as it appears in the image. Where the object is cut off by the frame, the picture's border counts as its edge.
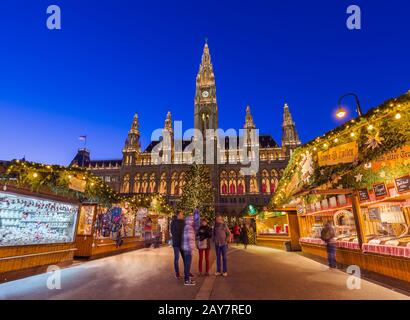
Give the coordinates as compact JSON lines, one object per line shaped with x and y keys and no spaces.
{"x":136,"y":173}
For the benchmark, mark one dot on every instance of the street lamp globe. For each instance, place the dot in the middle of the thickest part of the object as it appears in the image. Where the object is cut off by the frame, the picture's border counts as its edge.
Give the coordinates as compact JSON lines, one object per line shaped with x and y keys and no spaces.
{"x":340,"y":112}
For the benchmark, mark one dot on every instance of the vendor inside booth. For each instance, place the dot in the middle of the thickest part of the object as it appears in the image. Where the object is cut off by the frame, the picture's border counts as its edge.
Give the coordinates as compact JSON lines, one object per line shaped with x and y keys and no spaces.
{"x":357,"y":178}
{"x":278,"y":229}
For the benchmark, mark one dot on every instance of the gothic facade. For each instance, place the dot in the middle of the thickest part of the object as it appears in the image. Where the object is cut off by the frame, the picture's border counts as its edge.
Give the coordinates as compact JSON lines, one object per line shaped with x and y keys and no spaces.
{"x":139,"y":172}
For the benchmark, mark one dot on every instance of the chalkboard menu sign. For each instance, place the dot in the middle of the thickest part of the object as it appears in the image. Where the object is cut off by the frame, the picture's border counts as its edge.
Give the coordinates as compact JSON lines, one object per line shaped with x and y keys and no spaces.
{"x":364,"y":195}
{"x":380,"y":190}
{"x":374,"y":214}
{"x":403,"y":184}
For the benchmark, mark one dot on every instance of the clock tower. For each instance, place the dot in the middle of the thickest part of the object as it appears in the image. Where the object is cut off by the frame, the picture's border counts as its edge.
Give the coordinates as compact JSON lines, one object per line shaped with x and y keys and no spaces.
{"x":206,"y":108}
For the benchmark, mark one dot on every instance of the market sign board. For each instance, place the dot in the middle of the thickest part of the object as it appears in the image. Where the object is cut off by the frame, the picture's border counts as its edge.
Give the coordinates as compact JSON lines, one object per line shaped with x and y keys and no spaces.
{"x":402,"y":184}
{"x":364,"y":194}
{"x":380,"y":190}
{"x":344,"y":153}
{"x":77,"y":184}
{"x":392,"y":158}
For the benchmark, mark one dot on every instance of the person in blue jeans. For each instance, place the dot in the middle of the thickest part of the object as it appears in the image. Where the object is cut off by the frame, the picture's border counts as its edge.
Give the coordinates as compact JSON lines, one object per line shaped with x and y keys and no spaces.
{"x":328,"y":236}
{"x":188,"y":245}
{"x":177,"y":231}
{"x":221,"y":236}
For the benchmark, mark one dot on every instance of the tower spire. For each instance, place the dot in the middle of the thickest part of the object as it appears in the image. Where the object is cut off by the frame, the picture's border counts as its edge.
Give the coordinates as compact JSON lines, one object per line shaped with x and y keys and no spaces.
{"x":168,"y":123}
{"x":290,"y":137}
{"x":249,"y":124}
{"x":132,"y":143}
{"x":205,"y":105}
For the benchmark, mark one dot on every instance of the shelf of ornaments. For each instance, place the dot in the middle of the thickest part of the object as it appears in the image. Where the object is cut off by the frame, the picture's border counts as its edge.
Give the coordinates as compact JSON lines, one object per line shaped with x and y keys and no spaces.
{"x":36,"y":210}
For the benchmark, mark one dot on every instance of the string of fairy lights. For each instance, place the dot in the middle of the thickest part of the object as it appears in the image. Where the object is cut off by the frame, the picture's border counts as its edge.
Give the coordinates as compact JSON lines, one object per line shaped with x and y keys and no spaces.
{"x":56,"y":178}
{"x":391,"y":118}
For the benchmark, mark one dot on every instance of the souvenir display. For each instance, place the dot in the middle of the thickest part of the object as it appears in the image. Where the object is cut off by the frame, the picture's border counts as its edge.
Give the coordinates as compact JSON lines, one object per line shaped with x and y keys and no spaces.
{"x":26,"y":220}
{"x":85,"y":222}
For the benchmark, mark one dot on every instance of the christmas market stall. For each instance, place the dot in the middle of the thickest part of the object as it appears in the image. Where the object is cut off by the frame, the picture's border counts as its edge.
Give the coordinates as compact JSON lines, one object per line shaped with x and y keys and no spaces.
{"x":39,"y":207}
{"x":357,"y":178}
{"x":278,"y":229}
{"x":130,"y":223}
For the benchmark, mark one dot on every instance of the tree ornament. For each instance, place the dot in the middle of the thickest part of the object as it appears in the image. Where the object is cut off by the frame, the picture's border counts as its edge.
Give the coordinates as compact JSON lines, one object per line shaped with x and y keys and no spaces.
{"x":358,"y":177}
{"x":375,"y":141}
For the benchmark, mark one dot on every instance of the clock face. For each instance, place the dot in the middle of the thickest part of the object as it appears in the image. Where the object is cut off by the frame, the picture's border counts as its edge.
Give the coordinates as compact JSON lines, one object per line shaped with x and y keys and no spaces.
{"x":205,"y":94}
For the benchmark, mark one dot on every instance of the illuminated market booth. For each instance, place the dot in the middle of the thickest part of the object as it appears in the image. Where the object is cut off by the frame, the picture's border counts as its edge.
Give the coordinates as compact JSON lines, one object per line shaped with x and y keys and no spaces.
{"x":49,"y":214}
{"x":356,"y":177}
{"x":278,"y":229}
{"x":138,"y":215}
{"x":39,"y":207}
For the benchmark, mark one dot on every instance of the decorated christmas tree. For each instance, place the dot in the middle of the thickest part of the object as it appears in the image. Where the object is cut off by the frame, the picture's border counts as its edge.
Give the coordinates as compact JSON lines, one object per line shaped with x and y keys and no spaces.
{"x":198,"y":192}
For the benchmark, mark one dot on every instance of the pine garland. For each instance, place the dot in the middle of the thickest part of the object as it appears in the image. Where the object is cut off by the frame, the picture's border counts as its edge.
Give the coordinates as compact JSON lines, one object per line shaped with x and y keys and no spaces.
{"x":387,"y":125}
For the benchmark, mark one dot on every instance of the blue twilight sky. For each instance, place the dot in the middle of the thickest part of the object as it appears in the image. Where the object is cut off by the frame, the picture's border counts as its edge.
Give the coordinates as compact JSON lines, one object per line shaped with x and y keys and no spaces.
{"x":114,"y":58}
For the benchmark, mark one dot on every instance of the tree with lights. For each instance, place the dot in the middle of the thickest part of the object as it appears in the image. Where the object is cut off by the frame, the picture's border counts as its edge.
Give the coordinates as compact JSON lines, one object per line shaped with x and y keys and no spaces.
{"x":198,"y":192}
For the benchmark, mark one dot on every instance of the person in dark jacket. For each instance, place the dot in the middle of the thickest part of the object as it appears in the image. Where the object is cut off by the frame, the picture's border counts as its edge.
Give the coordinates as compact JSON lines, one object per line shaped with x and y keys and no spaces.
{"x":204,"y":245}
{"x":244,"y":235}
{"x":328,"y":236}
{"x":177,"y":231}
{"x":221,"y":236}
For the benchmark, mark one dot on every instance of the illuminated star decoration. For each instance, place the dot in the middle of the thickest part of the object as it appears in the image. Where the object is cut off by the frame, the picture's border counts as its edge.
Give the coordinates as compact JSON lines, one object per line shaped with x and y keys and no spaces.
{"x":322,"y":172}
{"x":374,"y":142}
{"x":358,"y":177}
{"x":382,"y":174}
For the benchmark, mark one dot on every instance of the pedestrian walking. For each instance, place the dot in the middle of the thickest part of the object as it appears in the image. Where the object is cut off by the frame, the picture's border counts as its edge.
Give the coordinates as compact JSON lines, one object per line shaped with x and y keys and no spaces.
{"x":148,"y":233}
{"x":204,"y":245}
{"x":188,"y":246}
{"x":177,"y":231}
{"x":244,"y":236}
{"x":328,"y":236}
{"x":236,"y":233}
{"x":221,"y":236}
{"x":158,"y":236}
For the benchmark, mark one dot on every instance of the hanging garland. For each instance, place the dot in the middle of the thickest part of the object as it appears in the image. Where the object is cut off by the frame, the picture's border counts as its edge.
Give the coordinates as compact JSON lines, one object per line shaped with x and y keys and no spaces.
{"x":379,"y":131}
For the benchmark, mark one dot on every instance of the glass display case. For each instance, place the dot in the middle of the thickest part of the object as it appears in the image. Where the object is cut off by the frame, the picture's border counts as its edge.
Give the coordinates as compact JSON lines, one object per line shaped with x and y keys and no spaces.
{"x":387,"y":224}
{"x":28,"y":220}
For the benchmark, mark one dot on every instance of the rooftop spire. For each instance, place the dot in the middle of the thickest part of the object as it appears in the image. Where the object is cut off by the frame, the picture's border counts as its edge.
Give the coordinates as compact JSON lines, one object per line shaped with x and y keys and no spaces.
{"x":249,"y":124}
{"x":135,"y":127}
{"x":132,"y":143}
{"x":168,"y":122}
{"x":290,"y":137}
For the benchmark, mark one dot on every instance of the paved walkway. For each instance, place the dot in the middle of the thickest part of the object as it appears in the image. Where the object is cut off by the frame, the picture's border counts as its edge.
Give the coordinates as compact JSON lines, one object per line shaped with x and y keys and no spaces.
{"x":255,"y":273}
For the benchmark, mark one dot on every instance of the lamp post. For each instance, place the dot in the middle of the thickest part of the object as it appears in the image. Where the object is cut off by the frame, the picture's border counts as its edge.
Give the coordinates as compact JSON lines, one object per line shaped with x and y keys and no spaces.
{"x":341,"y":112}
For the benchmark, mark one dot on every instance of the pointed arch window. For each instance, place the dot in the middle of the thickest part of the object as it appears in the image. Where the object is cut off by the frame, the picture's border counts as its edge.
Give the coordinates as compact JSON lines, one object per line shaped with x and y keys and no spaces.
{"x":152,"y":183}
{"x":125,"y":188}
{"x":265,"y":182}
{"x":274,"y":178}
{"x":223,"y":178}
{"x":253,"y":185}
{"x":137,"y":183}
{"x":241,"y":184}
{"x":174,"y":183}
{"x":144,"y":185}
{"x":232,"y":182}
{"x":181,"y":182}
{"x":163,"y":183}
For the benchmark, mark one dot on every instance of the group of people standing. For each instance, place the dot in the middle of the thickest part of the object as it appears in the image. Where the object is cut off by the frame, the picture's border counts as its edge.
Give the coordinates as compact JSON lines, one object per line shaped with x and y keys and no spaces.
{"x":187,"y":237}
